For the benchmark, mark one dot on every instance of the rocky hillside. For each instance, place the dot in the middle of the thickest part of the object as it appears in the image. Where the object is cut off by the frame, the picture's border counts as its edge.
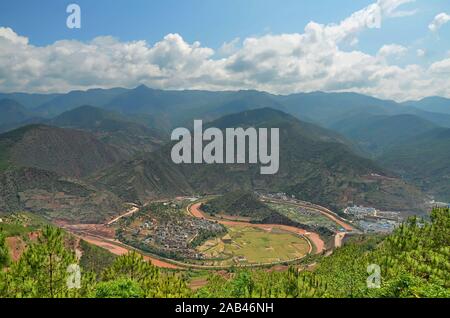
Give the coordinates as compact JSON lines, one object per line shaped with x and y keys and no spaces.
{"x":55,"y":197}
{"x":67,"y":152}
{"x":315,"y":165}
{"x":111,"y":128}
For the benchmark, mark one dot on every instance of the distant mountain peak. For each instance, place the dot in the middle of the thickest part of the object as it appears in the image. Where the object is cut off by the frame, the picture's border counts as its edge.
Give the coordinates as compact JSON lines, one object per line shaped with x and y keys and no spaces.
{"x":143,"y":87}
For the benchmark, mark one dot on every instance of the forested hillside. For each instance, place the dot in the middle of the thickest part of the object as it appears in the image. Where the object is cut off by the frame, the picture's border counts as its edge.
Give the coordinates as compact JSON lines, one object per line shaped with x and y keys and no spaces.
{"x":316,"y":165}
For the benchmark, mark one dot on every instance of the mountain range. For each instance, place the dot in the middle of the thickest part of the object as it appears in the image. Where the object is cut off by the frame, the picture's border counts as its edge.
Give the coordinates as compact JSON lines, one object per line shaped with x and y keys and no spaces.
{"x":337,"y":149}
{"x":315,"y":164}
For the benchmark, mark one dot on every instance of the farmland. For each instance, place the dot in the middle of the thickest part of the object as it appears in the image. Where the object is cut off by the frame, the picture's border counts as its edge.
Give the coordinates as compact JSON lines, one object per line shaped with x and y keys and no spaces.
{"x":304,"y":216}
{"x":249,"y":245}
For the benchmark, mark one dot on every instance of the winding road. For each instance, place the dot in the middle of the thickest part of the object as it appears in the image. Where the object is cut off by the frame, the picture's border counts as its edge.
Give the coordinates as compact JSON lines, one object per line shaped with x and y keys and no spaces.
{"x":99,"y":236}
{"x":319,"y":245}
{"x":133,"y":210}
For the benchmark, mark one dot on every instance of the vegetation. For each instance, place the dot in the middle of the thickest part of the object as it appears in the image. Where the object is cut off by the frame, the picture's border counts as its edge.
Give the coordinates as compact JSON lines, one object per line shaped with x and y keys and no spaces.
{"x":239,"y":203}
{"x":414,"y":262}
{"x":247,"y":204}
{"x":48,"y":194}
{"x":43,"y":271}
{"x":249,"y":245}
{"x":304,"y":216}
{"x":4,"y":252}
{"x":316,"y":165}
{"x":424,"y":160}
{"x":95,"y":258}
{"x":165,"y":229}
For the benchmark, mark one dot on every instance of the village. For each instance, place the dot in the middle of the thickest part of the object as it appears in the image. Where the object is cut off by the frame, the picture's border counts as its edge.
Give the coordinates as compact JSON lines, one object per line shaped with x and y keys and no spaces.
{"x":371,"y":220}
{"x":164,"y":229}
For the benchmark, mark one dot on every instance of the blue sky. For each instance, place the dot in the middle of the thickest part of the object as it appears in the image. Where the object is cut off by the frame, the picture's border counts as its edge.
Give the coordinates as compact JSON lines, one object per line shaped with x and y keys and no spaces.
{"x":211,"y":22}
{"x":214,"y":22}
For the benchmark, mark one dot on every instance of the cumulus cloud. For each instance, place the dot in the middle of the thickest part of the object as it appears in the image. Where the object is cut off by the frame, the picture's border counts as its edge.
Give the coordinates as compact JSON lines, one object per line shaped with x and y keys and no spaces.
{"x":390,"y":8}
{"x":9,"y":34}
{"x":392,"y":50}
{"x":421,"y":53}
{"x":438,"y":21}
{"x":229,"y":48}
{"x":283,"y":63}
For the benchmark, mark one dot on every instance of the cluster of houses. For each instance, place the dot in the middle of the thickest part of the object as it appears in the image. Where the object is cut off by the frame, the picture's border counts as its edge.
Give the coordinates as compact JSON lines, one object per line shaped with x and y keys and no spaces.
{"x":277,"y":196}
{"x":370,"y":219}
{"x":360,"y":212}
{"x":173,"y":235}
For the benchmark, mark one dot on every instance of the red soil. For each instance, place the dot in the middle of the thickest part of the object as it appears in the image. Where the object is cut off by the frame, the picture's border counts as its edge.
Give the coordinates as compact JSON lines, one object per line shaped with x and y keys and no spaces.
{"x":117,"y":249}
{"x":16,"y":247}
{"x":313,"y":237}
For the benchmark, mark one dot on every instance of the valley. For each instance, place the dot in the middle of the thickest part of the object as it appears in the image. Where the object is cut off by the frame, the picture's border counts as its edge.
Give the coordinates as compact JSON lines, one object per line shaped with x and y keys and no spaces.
{"x":104,"y":175}
{"x":244,"y":244}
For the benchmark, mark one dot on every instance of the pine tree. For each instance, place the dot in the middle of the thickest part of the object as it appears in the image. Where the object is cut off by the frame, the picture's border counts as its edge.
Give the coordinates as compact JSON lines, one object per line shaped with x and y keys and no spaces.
{"x":4,"y":251}
{"x":42,"y":270}
{"x":149,"y":278}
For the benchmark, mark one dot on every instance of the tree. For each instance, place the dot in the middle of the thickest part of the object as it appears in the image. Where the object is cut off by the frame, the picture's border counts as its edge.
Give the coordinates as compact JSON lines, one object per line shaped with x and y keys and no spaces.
{"x":42,"y":271}
{"x":149,"y":278}
{"x":4,"y":251}
{"x":120,"y":288}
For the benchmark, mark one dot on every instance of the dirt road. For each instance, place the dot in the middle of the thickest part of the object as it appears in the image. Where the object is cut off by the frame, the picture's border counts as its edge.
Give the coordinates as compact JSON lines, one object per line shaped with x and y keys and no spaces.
{"x":338,"y":239}
{"x":102,"y":235}
{"x":120,"y":249}
{"x":128,"y":213}
{"x":313,"y":237}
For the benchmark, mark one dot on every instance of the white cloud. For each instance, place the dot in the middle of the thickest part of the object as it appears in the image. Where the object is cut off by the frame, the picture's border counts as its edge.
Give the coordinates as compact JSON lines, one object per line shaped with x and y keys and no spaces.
{"x":392,"y":50}
{"x":229,"y":48}
{"x":441,"y":67}
{"x":284,"y":63}
{"x":421,"y":53}
{"x":438,"y":21}
{"x":10,"y":35}
{"x":390,"y":8}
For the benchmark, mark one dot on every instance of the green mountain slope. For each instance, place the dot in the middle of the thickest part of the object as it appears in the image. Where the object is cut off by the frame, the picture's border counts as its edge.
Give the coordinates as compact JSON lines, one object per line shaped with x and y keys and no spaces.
{"x":14,"y":115}
{"x":55,"y":197}
{"x":147,"y":177}
{"x":167,"y":109}
{"x":239,"y":203}
{"x":432,"y":104}
{"x":73,"y":99}
{"x":328,"y":109}
{"x":425,"y":161}
{"x":315,"y":165}
{"x":12,"y":112}
{"x":112,"y":128}
{"x":68,"y":152}
{"x":377,"y":133}
{"x":29,"y":101}
{"x":176,"y":108}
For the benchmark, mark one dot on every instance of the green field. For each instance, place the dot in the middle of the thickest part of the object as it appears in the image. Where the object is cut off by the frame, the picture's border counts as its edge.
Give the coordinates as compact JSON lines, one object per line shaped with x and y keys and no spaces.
{"x":303,"y":216}
{"x":19,"y":224}
{"x":249,"y":245}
